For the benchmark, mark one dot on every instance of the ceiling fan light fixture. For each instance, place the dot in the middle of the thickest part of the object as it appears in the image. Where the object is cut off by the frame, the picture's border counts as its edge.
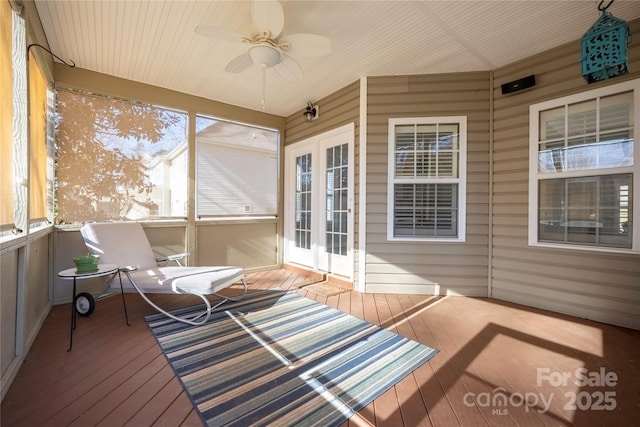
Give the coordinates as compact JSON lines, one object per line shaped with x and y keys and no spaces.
{"x":264,"y":55}
{"x":311,"y":113}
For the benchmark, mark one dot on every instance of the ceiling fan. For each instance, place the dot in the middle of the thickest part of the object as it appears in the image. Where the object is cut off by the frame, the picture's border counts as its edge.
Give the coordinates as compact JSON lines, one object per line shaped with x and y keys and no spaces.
{"x":266,"y":48}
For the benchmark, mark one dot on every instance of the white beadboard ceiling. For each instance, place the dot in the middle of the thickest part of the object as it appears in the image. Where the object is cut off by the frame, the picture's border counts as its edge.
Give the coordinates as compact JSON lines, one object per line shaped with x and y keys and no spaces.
{"x":153,"y":41}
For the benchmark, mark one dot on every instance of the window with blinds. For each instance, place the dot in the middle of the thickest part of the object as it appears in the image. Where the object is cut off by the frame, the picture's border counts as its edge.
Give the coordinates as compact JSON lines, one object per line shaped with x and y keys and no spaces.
{"x":119,"y":159}
{"x":584,"y":169}
{"x":427,"y":174}
{"x":236,"y":169}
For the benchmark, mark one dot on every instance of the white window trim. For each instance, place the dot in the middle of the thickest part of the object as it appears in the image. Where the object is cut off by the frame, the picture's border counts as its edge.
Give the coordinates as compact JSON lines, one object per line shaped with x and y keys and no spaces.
{"x":461,"y":180}
{"x":534,"y":116}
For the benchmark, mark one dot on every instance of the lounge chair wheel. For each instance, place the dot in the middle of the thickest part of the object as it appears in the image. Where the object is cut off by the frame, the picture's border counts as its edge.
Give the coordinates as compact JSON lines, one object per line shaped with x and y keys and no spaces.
{"x":84,"y":303}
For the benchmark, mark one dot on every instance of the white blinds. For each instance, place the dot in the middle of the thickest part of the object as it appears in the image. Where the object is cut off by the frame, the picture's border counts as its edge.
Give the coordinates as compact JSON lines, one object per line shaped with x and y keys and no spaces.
{"x":425,"y":210}
{"x":427,"y":151}
{"x":426,"y":175}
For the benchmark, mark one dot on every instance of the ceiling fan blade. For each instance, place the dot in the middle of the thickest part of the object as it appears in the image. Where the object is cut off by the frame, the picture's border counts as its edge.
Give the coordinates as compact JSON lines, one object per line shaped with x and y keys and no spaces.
{"x":239,"y":63}
{"x":307,"y":44}
{"x":268,"y":15}
{"x":288,"y":68}
{"x":219,"y":33}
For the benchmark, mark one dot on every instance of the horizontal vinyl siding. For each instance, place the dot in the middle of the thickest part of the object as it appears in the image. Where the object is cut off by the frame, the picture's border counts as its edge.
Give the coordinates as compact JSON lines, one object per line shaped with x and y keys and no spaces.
{"x":339,"y":108}
{"x":595,"y":285}
{"x":428,"y":267}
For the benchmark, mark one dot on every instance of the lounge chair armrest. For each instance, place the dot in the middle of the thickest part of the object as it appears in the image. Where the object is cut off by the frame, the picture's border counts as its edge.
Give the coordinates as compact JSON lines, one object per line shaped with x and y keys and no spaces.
{"x":175,"y":258}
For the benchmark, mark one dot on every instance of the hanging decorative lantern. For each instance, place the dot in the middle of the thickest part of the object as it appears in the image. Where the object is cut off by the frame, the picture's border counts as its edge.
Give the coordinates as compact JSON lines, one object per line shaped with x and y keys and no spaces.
{"x":604,"y":48}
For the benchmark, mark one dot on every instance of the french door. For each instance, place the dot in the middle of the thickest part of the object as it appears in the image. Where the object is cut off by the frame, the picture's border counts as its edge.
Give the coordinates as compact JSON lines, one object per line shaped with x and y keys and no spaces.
{"x":319,"y":202}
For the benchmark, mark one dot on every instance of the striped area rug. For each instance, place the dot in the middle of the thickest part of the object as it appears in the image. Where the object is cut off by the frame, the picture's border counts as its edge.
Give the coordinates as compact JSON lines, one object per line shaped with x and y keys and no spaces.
{"x":276,"y":358}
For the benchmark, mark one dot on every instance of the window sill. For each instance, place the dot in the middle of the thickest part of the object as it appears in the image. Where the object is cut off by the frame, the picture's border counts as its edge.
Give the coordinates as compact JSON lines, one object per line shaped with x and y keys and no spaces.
{"x":427,"y":239}
{"x":572,"y":247}
{"x":15,"y":241}
{"x":12,"y":242}
{"x":236,"y":219}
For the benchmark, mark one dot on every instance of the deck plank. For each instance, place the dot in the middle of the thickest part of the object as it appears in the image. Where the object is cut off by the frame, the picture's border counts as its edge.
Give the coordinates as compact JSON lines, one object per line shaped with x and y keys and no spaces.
{"x":143,"y":393}
{"x":179,"y":412}
{"x":153,"y":410}
{"x":117,"y":375}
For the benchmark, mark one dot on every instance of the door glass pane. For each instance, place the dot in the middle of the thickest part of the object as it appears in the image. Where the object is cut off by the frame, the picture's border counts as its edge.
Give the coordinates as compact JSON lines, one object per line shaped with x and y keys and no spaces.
{"x":336,"y":199}
{"x":303,"y":201}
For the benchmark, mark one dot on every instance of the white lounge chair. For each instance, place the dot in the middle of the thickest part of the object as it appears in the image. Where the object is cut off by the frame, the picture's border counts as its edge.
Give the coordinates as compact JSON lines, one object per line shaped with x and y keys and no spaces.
{"x":126,"y":245}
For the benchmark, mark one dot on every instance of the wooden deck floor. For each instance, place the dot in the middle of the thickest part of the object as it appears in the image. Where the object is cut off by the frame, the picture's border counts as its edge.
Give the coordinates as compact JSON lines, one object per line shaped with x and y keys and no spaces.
{"x":499,"y":364}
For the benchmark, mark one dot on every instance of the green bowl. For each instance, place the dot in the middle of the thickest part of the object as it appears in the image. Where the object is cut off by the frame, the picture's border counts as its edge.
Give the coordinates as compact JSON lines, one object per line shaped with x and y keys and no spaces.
{"x":86,"y":263}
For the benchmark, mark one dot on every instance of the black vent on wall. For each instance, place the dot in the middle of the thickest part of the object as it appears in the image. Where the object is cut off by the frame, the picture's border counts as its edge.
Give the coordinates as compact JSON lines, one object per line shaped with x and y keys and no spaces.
{"x":520,"y":84}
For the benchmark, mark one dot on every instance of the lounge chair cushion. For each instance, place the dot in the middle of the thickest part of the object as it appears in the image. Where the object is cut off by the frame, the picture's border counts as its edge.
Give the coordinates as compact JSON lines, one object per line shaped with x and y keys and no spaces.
{"x":201,"y":280}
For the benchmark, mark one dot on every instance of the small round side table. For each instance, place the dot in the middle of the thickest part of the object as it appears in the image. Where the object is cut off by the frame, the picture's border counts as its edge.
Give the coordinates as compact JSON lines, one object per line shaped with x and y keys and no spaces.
{"x":73,"y":274}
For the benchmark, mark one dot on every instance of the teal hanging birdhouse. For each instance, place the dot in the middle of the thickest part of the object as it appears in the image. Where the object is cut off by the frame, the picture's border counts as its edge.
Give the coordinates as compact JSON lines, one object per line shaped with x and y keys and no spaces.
{"x":604,"y":49}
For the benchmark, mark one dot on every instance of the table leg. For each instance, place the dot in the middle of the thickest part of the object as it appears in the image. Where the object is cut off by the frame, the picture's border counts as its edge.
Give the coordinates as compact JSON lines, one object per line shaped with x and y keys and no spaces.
{"x":73,"y":314}
{"x":124,"y":304}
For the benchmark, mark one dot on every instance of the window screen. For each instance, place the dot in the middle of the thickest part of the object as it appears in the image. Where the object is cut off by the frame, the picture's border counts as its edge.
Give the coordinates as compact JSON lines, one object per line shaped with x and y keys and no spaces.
{"x":236,"y":169}
{"x":119,"y":160}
